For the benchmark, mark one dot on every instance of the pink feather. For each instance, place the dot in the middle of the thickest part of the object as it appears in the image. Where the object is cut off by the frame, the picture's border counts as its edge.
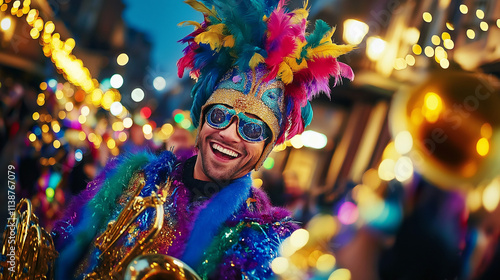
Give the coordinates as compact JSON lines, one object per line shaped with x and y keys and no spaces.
{"x":346,"y":71}
{"x":280,"y":42}
{"x":187,"y":61}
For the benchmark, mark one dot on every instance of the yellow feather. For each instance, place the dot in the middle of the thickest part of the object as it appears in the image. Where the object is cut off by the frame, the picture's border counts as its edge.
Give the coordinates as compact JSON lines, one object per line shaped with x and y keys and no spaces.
{"x":330,"y":34}
{"x":217,"y":28}
{"x":329,"y":50}
{"x":228,"y":41}
{"x":212,"y":36}
{"x":300,"y":14}
{"x":189,"y":22}
{"x":285,"y":73}
{"x":200,"y":7}
{"x":292,"y":59}
{"x":255,"y":60}
{"x":292,"y":63}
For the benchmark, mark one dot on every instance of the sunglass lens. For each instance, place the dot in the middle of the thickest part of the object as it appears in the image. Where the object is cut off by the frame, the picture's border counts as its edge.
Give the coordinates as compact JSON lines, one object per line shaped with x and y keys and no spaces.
{"x":252,"y":131}
{"x":217,"y":116}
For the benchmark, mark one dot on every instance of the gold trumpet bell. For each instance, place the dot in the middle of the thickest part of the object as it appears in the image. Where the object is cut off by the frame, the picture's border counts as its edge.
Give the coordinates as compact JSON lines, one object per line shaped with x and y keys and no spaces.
{"x":454,"y":121}
{"x":29,"y":248}
{"x":157,"y":266}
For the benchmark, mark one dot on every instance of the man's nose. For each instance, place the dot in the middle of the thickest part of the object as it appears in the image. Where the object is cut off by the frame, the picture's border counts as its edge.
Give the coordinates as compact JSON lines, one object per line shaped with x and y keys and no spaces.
{"x":230,"y":133}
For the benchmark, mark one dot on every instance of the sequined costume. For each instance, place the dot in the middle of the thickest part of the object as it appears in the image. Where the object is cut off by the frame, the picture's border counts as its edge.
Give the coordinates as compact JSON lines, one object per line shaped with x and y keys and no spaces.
{"x":224,"y":233}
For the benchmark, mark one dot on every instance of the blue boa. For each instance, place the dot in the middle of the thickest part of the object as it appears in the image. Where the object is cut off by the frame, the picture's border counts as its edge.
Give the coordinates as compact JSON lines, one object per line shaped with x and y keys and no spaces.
{"x":224,"y":204}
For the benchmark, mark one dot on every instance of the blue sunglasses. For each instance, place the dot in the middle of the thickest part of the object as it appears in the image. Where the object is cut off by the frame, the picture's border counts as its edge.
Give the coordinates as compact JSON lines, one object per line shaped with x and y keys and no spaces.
{"x":250,"y":129}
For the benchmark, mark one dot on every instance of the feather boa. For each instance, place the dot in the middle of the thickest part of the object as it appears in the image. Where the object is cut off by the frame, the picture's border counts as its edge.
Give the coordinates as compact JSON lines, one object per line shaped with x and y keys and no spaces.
{"x":210,"y":219}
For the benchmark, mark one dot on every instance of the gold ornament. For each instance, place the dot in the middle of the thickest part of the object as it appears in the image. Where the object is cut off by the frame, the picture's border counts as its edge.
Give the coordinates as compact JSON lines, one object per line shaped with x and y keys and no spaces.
{"x":113,"y":260}
{"x":157,"y":266}
{"x":28,"y":247}
{"x":454,"y":120}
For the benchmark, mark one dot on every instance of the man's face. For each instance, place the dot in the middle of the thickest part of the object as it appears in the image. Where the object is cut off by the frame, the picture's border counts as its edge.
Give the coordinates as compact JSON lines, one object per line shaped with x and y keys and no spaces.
{"x":223,"y":155}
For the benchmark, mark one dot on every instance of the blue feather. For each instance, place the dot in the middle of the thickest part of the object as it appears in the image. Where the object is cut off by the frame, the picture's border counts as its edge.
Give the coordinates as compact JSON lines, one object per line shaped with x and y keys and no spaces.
{"x":224,"y":204}
{"x":307,"y":114}
{"x":320,"y":29}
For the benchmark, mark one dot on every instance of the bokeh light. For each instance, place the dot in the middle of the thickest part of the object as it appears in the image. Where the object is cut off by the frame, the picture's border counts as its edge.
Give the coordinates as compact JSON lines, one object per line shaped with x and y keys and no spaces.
{"x":403,"y":142}
{"x":279,"y":265}
{"x":6,"y":23}
{"x":340,"y":274}
{"x":116,"y":108}
{"x":427,"y":17}
{"x":122,"y":59}
{"x":299,"y":238}
{"x":137,"y":94}
{"x":116,"y":81}
{"x":159,"y":83}
{"x":354,"y":31}
{"x":313,"y":139}
{"x":464,"y":9}
{"x":491,"y":195}
{"x":325,"y":263}
{"x":268,"y":163}
{"x":348,"y":213}
{"x":147,"y":129}
{"x":78,"y":155}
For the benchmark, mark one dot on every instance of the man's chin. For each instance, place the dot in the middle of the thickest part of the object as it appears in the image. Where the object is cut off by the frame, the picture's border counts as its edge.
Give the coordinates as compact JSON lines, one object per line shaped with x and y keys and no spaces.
{"x":218,"y":173}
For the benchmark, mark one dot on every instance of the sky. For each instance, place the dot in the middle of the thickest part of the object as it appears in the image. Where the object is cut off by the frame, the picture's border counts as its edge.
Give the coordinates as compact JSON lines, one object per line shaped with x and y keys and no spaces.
{"x":159,"y":20}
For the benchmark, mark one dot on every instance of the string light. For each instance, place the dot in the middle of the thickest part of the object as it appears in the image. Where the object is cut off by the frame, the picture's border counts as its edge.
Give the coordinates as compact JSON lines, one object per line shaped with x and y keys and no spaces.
{"x":427,"y":17}
{"x":417,"y":49}
{"x":479,"y":14}
{"x":444,"y":63}
{"x":448,"y":43}
{"x":484,"y":26}
{"x":122,"y":59}
{"x":435,"y":40}
{"x":429,"y":51}
{"x":410,"y":59}
{"x":471,"y":34}
{"x":464,"y":9}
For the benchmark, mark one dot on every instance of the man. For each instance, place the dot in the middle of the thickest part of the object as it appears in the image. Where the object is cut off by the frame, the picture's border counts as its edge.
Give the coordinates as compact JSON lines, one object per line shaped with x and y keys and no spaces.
{"x":256,"y":69}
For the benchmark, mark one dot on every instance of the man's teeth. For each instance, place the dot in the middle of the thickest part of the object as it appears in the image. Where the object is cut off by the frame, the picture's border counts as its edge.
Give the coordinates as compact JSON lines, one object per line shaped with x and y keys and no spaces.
{"x":224,"y":150}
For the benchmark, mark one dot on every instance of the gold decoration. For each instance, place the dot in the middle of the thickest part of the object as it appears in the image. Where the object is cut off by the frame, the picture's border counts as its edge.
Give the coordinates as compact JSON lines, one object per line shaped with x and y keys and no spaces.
{"x":111,"y":262}
{"x":33,"y":247}
{"x":156,"y":266}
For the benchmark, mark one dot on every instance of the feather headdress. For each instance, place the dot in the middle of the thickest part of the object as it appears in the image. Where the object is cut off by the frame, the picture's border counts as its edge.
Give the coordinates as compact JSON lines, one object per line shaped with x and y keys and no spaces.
{"x":249,"y":34}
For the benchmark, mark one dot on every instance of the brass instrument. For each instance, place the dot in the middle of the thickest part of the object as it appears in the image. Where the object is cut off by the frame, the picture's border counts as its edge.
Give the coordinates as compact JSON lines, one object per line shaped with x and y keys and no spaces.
{"x":137,"y":264}
{"x":111,"y":264}
{"x":455,"y":127}
{"x":157,"y":266}
{"x":35,"y":254}
{"x":30,"y":253}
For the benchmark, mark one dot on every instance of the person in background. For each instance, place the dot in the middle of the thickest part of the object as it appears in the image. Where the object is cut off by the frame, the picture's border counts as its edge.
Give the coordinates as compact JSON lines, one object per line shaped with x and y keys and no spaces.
{"x":181,"y":141}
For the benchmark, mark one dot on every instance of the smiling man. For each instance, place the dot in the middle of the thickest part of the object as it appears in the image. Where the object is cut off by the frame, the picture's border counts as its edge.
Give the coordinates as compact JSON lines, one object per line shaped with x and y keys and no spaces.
{"x":238,"y":128}
{"x":256,"y":70}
